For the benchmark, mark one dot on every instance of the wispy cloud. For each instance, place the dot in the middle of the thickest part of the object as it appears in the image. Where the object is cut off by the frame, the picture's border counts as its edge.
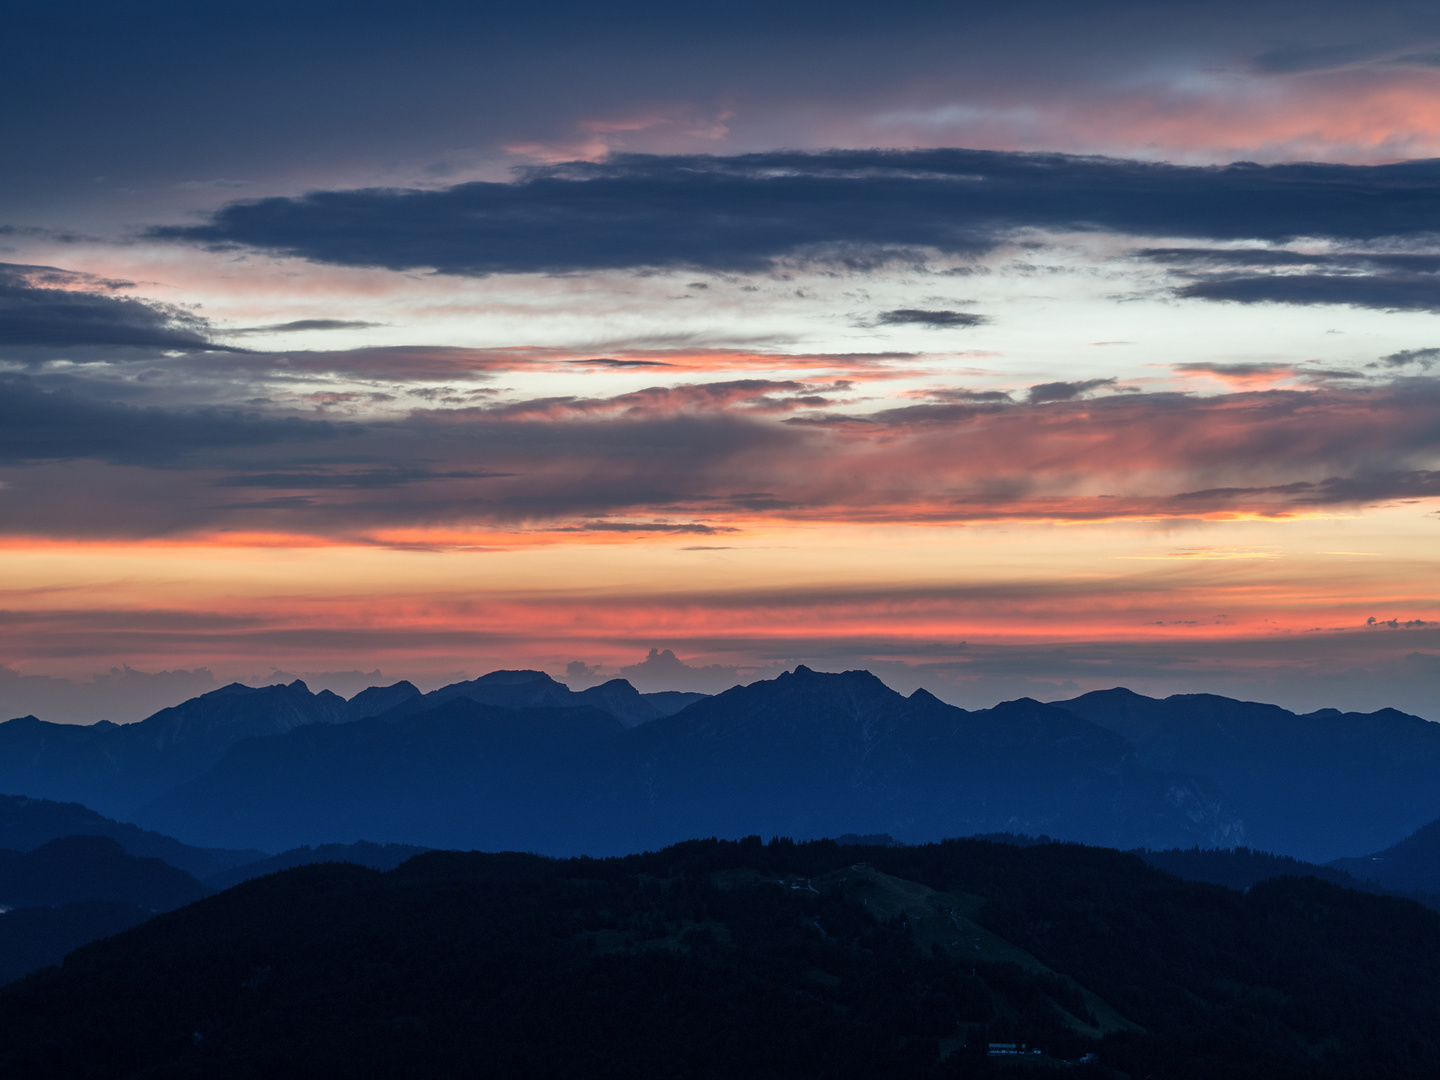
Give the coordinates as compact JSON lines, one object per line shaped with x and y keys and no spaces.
{"x":734,"y":454}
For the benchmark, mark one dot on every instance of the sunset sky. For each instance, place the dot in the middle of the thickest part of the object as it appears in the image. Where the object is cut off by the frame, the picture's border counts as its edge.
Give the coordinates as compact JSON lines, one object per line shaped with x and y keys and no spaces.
{"x":1001,"y":349}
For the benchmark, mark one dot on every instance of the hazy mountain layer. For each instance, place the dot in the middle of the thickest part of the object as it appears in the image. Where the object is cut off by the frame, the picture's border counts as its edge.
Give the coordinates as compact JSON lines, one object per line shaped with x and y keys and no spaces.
{"x":1317,"y":786}
{"x":1412,"y":865}
{"x":92,"y":868}
{"x":117,"y":768}
{"x":27,"y":823}
{"x":806,"y":754}
{"x":537,"y":690}
{"x":114,"y":768}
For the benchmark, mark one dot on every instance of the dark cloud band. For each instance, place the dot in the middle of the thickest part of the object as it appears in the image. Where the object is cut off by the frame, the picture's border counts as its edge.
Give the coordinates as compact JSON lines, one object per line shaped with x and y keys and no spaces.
{"x":42,"y":305}
{"x":36,"y":425}
{"x":745,"y":212}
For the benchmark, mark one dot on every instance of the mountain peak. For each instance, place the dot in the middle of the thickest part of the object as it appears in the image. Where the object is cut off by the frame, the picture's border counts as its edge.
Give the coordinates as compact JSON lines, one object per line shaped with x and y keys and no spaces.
{"x":803,"y":673}
{"x":513,"y":678}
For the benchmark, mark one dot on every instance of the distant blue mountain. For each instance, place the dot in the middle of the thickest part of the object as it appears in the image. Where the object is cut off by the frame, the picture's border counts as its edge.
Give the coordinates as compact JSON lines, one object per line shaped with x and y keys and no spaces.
{"x":92,"y":868}
{"x":460,"y":775}
{"x":1412,"y":865}
{"x":117,"y":768}
{"x":114,"y":768}
{"x":537,"y":690}
{"x":1315,"y":786}
{"x":516,"y":759}
{"x":806,"y":754}
{"x":27,"y":823}
{"x":75,"y":889}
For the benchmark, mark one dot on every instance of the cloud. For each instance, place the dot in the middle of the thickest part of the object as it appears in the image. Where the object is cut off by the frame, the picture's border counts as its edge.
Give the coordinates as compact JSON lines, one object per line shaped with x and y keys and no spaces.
{"x":1423,"y":357}
{"x":709,"y":459}
{"x":1389,"y":281}
{"x":1064,"y":391}
{"x":649,"y":527}
{"x":304,"y":324}
{"x":1341,"y":261}
{"x":38,"y":425}
{"x":1291,"y":59}
{"x":663,"y":670}
{"x":1251,"y":376}
{"x":1332,"y":491}
{"x":961,"y":394}
{"x":1387,"y":292}
{"x":744,"y":213}
{"x":749,"y":395}
{"x":422,"y":363}
{"x":610,"y":362}
{"x":936,"y":319}
{"x":43,"y":305}
{"x":352,"y":478}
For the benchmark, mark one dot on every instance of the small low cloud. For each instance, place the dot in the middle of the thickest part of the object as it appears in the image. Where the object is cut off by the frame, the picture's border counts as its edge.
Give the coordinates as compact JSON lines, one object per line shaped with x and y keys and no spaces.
{"x":609,"y":362}
{"x":684,"y":529}
{"x":663,"y":670}
{"x":1065,"y":391}
{"x":960,"y":394}
{"x":1425,"y":358}
{"x":937,"y":320}
{"x":305,"y":324}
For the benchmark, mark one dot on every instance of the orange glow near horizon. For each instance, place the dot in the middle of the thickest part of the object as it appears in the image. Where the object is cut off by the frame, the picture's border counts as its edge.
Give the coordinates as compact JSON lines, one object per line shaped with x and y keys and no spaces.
{"x":906,"y":592}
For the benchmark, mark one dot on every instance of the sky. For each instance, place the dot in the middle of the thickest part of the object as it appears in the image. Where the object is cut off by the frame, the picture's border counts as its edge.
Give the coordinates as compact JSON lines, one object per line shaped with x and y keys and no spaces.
{"x":1000,"y":349}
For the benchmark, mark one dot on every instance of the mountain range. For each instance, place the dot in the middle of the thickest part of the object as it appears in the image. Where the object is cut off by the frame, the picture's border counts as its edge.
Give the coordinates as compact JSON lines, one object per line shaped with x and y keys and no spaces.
{"x":117,"y":768}
{"x":804,"y":754}
{"x":1316,"y":786}
{"x":515,"y":759}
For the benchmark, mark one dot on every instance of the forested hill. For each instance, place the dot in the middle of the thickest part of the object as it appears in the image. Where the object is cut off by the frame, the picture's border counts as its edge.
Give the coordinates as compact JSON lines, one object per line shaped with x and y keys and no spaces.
{"x":729,"y":959}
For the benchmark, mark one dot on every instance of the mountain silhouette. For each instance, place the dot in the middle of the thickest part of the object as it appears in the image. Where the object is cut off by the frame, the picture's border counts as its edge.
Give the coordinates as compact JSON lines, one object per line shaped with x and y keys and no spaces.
{"x":517,"y":759}
{"x":460,"y":775}
{"x":378,"y":699}
{"x":36,"y":937}
{"x":27,"y":823}
{"x":361,"y":853}
{"x":1316,"y":786}
{"x":1412,"y":865}
{"x":537,"y":690}
{"x":805,"y":754}
{"x":92,"y":868}
{"x":75,"y":889}
{"x":113,"y":768}
{"x":117,"y":768}
{"x":809,"y":754}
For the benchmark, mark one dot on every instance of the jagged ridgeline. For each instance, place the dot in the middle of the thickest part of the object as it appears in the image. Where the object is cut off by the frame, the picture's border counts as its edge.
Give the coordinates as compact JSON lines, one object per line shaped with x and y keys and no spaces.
{"x":516,"y":760}
{"x":726,"y":959}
